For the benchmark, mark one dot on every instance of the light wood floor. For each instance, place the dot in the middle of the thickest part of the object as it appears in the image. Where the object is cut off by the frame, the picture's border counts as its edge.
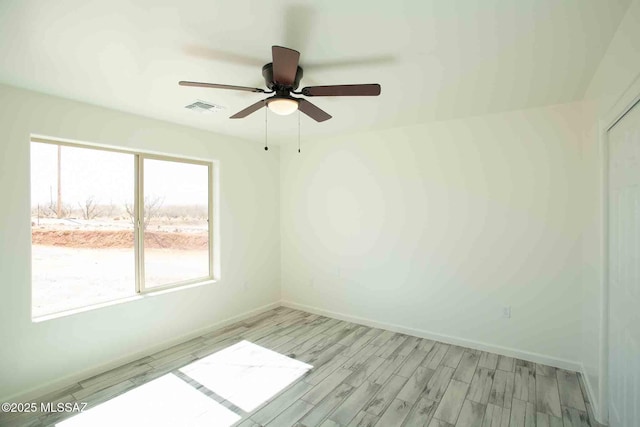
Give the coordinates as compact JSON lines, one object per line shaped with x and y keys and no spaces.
{"x":361,"y":376}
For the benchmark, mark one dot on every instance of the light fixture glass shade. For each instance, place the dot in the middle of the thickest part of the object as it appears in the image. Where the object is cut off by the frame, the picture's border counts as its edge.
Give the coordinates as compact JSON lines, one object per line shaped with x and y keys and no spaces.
{"x":282,"y":106}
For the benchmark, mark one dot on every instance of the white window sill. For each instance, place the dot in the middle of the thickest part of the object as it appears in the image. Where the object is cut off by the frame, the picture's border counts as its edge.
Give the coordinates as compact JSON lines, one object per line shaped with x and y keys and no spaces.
{"x":147,"y":294}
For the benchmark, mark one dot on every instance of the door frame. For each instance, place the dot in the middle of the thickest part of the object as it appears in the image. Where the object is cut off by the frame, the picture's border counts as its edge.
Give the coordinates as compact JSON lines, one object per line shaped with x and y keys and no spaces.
{"x":629,"y":99}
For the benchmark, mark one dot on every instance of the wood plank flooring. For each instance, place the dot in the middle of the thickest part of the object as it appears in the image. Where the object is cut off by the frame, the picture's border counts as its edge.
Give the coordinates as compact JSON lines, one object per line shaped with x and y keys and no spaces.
{"x":361,"y":376}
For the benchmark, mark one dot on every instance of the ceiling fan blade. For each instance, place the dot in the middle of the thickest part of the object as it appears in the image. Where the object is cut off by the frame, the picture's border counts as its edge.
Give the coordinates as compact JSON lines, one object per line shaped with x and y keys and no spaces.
{"x":354,"y":62}
{"x":298,"y":25}
{"x":222,"y":55}
{"x":217,"y":86}
{"x":285,"y":65}
{"x":250,"y":109}
{"x":343,"y":90}
{"x":312,"y":111}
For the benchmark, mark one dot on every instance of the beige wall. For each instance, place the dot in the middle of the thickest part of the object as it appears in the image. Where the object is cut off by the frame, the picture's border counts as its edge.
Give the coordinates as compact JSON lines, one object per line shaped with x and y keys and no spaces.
{"x":33,"y":355}
{"x":432,"y":229}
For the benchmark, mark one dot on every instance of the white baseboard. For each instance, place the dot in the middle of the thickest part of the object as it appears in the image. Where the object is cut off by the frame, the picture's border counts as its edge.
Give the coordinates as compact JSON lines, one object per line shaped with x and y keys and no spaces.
{"x":32,"y":394}
{"x":593,"y":400}
{"x":505,"y":351}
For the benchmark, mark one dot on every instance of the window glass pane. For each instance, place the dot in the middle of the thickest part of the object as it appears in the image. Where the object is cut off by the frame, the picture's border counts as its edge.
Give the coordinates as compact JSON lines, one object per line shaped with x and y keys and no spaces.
{"x":82,"y":228}
{"x":176,"y":226}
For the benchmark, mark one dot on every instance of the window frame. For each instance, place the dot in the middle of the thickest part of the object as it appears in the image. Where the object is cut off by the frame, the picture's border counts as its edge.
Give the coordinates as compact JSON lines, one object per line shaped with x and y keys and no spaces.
{"x":138,"y":158}
{"x":139,"y":231}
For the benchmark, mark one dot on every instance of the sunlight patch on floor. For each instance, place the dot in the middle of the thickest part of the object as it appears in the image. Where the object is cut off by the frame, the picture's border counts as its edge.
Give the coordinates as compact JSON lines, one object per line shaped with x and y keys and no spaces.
{"x":246,"y":374}
{"x":166,"y":402}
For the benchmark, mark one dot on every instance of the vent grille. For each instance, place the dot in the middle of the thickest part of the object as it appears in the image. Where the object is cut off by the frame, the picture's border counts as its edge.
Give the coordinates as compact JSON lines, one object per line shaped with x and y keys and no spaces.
{"x":204,"y":107}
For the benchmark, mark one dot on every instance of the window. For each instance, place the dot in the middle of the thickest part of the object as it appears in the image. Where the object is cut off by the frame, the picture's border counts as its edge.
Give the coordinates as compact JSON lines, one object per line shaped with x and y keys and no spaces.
{"x":176,"y":222}
{"x":109,"y":224}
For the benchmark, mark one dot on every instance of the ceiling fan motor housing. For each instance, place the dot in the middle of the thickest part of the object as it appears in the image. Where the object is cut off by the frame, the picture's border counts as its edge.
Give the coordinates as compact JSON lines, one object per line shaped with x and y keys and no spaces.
{"x":267,"y":73}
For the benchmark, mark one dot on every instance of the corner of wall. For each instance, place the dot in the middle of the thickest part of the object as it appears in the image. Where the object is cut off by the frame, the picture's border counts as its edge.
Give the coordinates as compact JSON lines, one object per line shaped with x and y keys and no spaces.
{"x":592,"y":398}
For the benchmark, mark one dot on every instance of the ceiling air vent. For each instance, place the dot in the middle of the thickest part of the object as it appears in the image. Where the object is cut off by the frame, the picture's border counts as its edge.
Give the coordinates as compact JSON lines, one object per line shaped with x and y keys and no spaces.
{"x":204,"y":107}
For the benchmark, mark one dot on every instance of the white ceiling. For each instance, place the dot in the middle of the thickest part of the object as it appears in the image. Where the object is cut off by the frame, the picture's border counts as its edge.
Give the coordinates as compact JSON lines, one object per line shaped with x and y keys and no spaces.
{"x":435,"y":59}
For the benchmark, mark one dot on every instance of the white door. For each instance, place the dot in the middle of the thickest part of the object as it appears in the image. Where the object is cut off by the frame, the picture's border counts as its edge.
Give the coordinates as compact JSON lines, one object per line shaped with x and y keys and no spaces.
{"x":624,"y":271}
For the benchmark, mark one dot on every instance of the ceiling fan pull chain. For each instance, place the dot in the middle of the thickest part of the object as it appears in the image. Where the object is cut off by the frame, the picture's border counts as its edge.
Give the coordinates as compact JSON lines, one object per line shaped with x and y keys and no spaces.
{"x":298,"y":131}
{"x":266,"y":147}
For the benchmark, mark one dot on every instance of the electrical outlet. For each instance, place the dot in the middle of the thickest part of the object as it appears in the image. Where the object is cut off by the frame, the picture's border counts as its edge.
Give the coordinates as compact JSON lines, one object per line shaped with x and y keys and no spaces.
{"x":506,"y":312}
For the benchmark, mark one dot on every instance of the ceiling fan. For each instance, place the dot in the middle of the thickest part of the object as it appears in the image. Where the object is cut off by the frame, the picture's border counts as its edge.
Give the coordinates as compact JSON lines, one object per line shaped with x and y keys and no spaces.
{"x":282,"y":77}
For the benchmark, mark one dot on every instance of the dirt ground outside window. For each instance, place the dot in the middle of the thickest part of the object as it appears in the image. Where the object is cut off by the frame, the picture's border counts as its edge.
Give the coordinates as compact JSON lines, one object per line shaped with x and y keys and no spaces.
{"x":76,"y":263}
